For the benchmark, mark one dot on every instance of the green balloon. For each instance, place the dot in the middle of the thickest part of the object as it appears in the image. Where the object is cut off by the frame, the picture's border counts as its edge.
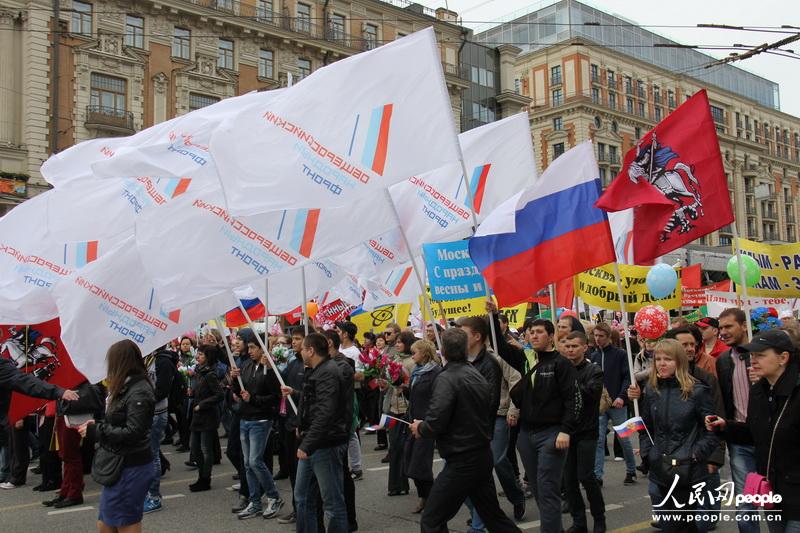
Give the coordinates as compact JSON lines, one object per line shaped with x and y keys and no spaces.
{"x":752,"y":272}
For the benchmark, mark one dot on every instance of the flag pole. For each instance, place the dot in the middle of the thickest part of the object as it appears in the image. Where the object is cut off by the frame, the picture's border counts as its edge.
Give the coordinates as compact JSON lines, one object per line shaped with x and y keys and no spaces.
{"x":230,"y":354}
{"x":305,"y":300}
{"x":471,"y":203}
{"x":626,"y":331}
{"x":260,"y":342}
{"x":746,"y":299}
{"x":425,"y":296}
{"x":553,"y":310}
{"x":442,"y":314}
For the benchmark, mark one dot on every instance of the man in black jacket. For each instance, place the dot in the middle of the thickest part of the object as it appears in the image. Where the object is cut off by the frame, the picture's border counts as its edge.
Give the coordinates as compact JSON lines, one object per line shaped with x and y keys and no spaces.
{"x":580,"y":457}
{"x":616,"y":379}
{"x":550,"y":403}
{"x":323,"y":431}
{"x":733,"y":371}
{"x":459,"y":418}
{"x":258,"y":405}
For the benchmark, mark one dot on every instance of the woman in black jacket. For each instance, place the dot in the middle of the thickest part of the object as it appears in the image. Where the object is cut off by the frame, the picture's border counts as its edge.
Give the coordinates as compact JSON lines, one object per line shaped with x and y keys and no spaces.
{"x":207,"y":394}
{"x":773,"y":420}
{"x":674,"y":409}
{"x":125,"y":431}
{"x":418,"y":453}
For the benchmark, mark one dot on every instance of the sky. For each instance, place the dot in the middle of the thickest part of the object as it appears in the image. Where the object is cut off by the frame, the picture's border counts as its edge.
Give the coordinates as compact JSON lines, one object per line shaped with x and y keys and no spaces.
{"x":783,"y":70}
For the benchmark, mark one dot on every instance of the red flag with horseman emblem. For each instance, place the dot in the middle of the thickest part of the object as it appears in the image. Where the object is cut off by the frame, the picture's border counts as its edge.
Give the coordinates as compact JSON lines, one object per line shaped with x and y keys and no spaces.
{"x":674,"y":180}
{"x":37,"y":349}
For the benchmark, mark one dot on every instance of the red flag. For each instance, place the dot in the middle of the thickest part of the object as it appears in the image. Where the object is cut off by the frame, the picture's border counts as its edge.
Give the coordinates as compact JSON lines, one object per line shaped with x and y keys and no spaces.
{"x":38,"y":350}
{"x":565,"y":294}
{"x":675,"y":181}
{"x":690,"y":276}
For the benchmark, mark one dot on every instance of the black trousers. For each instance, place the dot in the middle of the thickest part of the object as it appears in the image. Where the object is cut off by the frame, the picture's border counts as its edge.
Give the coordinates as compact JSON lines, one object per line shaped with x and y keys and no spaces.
{"x":398,"y":482}
{"x":511,"y":452}
{"x":202,"y":446}
{"x":234,"y":454}
{"x":48,"y":460}
{"x":289,"y":451}
{"x":579,"y":470}
{"x":665,"y":519}
{"x":423,"y":487}
{"x":21,"y":451}
{"x":465,"y":475}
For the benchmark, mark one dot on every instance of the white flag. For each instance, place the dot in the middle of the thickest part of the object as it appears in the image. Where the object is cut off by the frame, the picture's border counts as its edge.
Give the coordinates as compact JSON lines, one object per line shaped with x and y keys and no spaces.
{"x":346,"y":131}
{"x":112,"y":299}
{"x":32,"y":261}
{"x":179,"y":147}
{"x":349,"y":290}
{"x":286,"y":288}
{"x":374,"y":256}
{"x":92,"y":209}
{"x":74,"y":163}
{"x":621,"y":223}
{"x":397,"y":286}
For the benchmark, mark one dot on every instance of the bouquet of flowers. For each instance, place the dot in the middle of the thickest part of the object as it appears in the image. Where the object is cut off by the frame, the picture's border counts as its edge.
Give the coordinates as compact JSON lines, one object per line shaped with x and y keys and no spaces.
{"x":396,"y":374}
{"x":375,"y":364}
{"x":764,"y":318}
{"x":280,"y":354}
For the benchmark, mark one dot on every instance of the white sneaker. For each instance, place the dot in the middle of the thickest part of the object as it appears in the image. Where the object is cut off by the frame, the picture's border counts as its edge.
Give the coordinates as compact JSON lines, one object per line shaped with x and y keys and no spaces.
{"x":8,"y":485}
{"x":618,"y":459}
{"x":273,"y":507}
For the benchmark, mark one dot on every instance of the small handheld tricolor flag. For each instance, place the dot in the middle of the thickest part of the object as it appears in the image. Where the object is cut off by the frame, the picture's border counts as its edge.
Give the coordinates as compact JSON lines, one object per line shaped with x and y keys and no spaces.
{"x":630,"y":427}
{"x":386,"y":422}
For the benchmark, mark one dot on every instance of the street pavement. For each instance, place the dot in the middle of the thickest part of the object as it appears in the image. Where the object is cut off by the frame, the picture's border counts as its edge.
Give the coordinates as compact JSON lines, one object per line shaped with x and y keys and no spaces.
{"x":21,"y":511}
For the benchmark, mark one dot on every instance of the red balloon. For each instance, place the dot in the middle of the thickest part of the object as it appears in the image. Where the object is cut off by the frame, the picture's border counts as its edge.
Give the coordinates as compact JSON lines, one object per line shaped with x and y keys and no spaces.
{"x":651,"y":322}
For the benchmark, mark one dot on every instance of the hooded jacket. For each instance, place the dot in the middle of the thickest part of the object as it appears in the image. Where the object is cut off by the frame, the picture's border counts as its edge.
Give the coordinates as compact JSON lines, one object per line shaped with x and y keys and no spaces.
{"x":264,"y":388}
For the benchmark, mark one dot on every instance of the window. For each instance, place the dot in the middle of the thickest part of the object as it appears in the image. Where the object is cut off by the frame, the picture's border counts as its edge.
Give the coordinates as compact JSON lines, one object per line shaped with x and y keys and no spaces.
{"x":482,"y":76}
{"x":612,"y":100}
{"x":718,"y":114}
{"x":81,"y":18}
{"x":196,"y":101}
{"x":303,"y":18}
{"x":558,"y":124}
{"x":603,"y":177}
{"x":595,"y":73}
{"x":637,"y":132}
{"x":598,"y":123}
{"x":601,"y":152}
{"x":628,"y":85}
{"x":629,"y":105}
{"x":614,"y":126}
{"x":658,"y":114}
{"x":134,"y":31}
{"x":640,"y":88}
{"x":264,"y":10}
{"x":670,"y":98}
{"x":304,"y":67}
{"x":595,"y":95}
{"x":338,"y":25}
{"x":612,"y":154}
{"x":227,"y":5}
{"x":265,"y":64}
{"x":555,"y":75}
{"x":180,"y":43}
{"x":475,"y":74}
{"x":490,"y":78}
{"x":370,"y":36}
{"x":612,"y":79}
{"x":557,"y":97}
{"x":225,"y":58}
{"x":108,"y":94}
{"x":558,"y":149}
{"x":656,"y":94}
{"x":641,"y":109}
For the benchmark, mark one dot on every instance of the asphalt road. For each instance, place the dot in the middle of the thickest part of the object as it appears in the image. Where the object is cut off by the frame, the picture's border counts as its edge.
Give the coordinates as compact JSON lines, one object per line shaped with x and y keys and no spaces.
{"x":628,"y":508}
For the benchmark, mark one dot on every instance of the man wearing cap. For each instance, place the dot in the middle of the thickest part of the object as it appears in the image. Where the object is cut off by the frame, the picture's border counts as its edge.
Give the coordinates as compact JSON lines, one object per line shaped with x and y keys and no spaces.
{"x":347,"y":333}
{"x":709,"y":327}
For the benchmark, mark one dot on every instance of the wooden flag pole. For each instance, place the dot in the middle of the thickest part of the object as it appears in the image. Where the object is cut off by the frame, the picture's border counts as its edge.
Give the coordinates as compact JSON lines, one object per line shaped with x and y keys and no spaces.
{"x":305,"y":300}
{"x":626,"y":331}
{"x":230,"y":354}
{"x":745,"y":298}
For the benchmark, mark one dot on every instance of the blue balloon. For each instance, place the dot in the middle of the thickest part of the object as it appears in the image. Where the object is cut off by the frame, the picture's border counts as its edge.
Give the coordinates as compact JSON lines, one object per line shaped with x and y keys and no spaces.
{"x":661,"y":280}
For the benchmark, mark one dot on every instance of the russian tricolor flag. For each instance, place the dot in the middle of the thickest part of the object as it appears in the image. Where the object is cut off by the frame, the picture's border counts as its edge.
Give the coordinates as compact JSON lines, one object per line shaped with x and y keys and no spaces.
{"x":630,"y":427}
{"x":386,"y":422}
{"x":557,"y":231}
{"x":236,"y":319}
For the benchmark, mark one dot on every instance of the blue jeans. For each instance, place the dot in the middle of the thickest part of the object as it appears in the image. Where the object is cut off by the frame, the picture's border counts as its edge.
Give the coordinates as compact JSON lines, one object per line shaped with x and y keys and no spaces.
{"x":156,"y":436}
{"x":743,"y":461}
{"x":544,"y":465}
{"x":503,"y":469}
{"x":253,"y":434}
{"x":323,"y":469}
{"x":5,"y":463}
{"x":617,"y":415}
{"x":712,"y":516}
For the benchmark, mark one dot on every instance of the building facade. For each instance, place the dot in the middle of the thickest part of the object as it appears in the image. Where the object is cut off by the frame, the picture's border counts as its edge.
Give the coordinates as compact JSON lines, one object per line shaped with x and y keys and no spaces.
{"x":591,"y":75}
{"x":99,"y":68}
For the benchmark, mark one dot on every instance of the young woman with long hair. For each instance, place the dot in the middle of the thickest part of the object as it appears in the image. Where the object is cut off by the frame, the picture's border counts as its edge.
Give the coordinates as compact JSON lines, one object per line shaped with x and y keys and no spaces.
{"x":125,"y":432}
{"x":207,"y":396}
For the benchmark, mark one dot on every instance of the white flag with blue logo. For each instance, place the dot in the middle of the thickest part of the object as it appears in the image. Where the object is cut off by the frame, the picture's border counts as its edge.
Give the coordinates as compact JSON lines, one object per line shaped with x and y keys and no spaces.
{"x":348,"y":130}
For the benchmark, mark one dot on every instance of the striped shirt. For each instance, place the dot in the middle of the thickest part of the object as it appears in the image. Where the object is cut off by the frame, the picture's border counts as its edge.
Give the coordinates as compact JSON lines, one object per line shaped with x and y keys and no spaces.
{"x":741,"y":386}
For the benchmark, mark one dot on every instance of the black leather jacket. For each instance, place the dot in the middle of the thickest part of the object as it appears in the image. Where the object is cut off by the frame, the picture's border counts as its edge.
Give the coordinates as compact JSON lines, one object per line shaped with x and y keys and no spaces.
{"x":126,"y":427}
{"x":207,"y":396}
{"x":321,"y":422}
{"x":677,"y":428}
{"x":264,"y":388}
{"x":11,"y":379}
{"x":590,"y":383}
{"x":490,"y":369}
{"x":460,"y":415}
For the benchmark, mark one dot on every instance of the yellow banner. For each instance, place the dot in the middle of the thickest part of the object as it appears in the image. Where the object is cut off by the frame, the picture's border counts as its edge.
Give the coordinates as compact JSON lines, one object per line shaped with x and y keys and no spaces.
{"x":598,"y":287}
{"x":380,"y":317}
{"x":473,"y":307}
{"x":780,"y":268}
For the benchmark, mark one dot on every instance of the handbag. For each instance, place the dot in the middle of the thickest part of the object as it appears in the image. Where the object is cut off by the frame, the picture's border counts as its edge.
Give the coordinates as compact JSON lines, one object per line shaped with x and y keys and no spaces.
{"x":107,"y":466}
{"x":605,"y":401}
{"x":757,"y":485}
{"x":671,"y":467}
{"x":88,"y":402}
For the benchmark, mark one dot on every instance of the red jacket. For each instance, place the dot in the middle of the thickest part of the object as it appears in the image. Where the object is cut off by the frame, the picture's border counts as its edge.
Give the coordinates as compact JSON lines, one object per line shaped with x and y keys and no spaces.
{"x":718,"y":348}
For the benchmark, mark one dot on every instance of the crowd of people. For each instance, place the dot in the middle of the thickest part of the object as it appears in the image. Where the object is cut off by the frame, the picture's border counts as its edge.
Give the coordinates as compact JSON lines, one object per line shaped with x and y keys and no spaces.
{"x":533,"y":408}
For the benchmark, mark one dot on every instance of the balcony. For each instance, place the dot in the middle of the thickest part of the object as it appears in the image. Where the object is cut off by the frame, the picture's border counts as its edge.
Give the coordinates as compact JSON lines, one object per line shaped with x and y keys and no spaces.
{"x":752,"y":233}
{"x":109,"y":119}
{"x":789,"y":218}
{"x":751,"y":210}
{"x":770,"y":214}
{"x":595,"y":77}
{"x":772,"y":236}
{"x":726,"y":229}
